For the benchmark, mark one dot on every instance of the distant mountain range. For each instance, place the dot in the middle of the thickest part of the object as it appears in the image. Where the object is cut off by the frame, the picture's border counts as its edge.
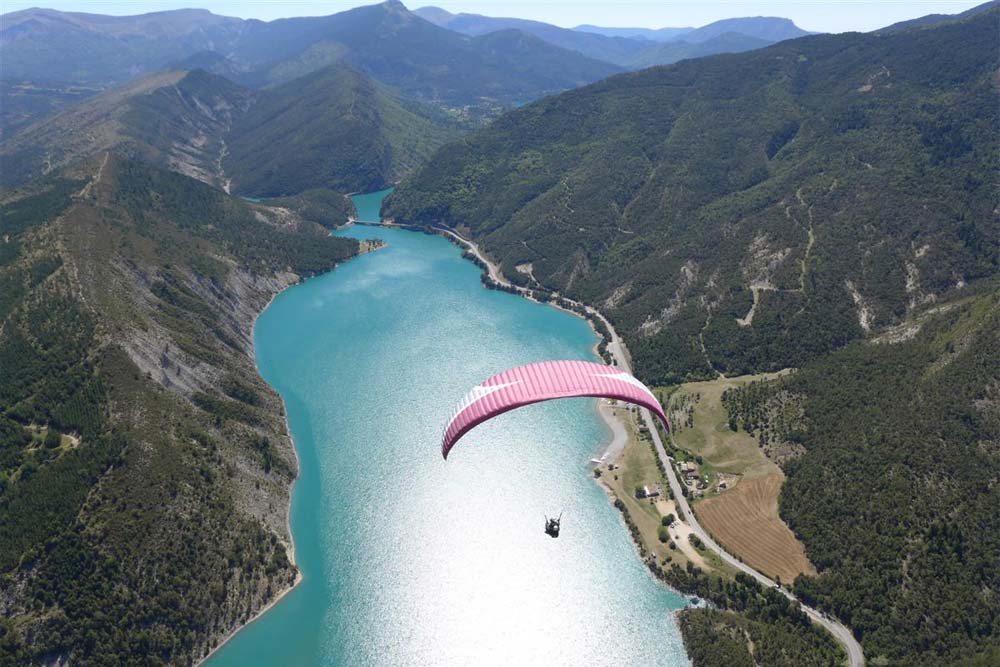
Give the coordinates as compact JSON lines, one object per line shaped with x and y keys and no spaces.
{"x":474,"y":65}
{"x":655,"y":35}
{"x":618,"y":50}
{"x":470,"y":75}
{"x":767,"y":28}
{"x":632,"y":47}
{"x":679,"y":49}
{"x":106,"y":49}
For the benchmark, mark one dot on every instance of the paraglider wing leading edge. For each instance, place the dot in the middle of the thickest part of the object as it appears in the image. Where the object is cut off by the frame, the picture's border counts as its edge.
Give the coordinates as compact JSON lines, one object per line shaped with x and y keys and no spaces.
{"x":544,"y":381}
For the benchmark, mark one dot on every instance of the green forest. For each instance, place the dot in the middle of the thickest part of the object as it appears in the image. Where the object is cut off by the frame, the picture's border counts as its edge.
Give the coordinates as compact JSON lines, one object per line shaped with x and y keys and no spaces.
{"x":336,"y":129}
{"x":896,"y":494}
{"x":847,"y":178}
{"x":120,"y":537}
{"x":715,"y":638}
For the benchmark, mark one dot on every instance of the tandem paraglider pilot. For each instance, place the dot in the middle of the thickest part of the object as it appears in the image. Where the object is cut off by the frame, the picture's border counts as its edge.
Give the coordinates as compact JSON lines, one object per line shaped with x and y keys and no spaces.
{"x":545,"y":381}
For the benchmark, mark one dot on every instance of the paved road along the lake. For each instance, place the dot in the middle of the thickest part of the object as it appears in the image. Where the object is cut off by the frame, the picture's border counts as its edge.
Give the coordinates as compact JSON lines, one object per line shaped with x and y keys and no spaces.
{"x":617,"y":349}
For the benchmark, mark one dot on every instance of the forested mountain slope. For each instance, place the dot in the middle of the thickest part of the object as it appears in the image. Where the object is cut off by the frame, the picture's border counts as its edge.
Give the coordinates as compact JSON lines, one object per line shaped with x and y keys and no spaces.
{"x":744,"y":212}
{"x":896,"y":495}
{"x":680,"y":49}
{"x":23,"y":102}
{"x":937,"y":19}
{"x":334,"y":129}
{"x":144,"y":465}
{"x":176,"y":119}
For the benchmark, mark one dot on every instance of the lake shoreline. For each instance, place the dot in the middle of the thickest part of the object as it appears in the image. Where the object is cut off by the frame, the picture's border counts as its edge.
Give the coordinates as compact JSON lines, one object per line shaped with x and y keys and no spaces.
{"x":260,"y":637}
{"x":289,"y":544}
{"x":613,"y":449}
{"x":616,"y":445}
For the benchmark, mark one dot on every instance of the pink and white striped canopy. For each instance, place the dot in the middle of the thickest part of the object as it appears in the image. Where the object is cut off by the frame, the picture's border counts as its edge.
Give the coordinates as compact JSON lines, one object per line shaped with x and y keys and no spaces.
{"x":544,"y":381}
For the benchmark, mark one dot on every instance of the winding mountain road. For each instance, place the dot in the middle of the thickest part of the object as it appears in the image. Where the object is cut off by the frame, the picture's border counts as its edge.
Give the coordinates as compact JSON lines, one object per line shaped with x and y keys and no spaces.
{"x":855,"y":656}
{"x":618,"y":350}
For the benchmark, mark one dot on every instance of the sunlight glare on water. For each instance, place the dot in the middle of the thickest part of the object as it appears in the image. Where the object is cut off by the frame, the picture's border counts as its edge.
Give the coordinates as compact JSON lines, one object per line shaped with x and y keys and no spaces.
{"x":411,"y":560}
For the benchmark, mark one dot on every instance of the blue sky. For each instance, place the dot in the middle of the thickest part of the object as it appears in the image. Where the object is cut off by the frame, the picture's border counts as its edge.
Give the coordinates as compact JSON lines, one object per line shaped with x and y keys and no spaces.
{"x":819,"y":15}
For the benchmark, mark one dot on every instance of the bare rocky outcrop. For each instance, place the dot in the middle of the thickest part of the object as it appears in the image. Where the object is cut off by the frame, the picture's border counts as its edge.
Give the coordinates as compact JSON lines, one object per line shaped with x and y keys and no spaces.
{"x":200,"y":109}
{"x":654,"y":325}
{"x":864,"y":309}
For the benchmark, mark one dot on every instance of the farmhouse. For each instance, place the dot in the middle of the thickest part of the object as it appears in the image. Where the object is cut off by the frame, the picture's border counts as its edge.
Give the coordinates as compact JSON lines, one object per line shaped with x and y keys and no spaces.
{"x":647,"y":491}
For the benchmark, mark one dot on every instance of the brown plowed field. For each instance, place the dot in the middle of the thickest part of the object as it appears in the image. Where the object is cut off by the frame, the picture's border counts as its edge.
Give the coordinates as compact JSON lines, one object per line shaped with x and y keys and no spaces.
{"x":745,"y":520}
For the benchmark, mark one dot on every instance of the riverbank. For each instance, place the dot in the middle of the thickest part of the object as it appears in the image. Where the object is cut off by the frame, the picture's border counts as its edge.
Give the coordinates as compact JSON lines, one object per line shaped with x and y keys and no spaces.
{"x":612,"y":451}
{"x":365,"y":341}
{"x":364,"y":247}
{"x":618,"y":352}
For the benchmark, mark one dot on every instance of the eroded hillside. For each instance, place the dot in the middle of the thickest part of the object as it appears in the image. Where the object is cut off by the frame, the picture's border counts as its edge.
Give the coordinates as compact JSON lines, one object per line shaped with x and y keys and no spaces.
{"x":145,"y":465}
{"x":744,"y":213}
{"x":175,"y":119}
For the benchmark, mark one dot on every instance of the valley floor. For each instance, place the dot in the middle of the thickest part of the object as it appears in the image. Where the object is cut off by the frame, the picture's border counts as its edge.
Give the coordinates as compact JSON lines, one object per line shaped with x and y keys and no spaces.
{"x":734,"y":483}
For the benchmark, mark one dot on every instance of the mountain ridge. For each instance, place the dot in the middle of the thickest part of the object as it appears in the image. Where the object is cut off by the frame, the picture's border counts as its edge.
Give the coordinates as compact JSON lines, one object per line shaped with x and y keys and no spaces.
{"x":651,"y":34}
{"x":360,"y":135}
{"x":673,"y":51}
{"x":173,"y":118}
{"x":725,"y":36}
{"x":333,"y":129}
{"x":391,"y":44}
{"x":127,"y":297}
{"x":600,"y":199}
{"x":938,"y":19}
{"x":617,"y":50}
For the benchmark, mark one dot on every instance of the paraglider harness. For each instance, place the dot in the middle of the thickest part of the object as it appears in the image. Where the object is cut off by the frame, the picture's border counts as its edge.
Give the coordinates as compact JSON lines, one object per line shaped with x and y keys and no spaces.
{"x":552,"y":526}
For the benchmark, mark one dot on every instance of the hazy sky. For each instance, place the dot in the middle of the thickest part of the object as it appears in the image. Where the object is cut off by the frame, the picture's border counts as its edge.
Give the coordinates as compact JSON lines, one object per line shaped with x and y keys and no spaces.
{"x":819,"y":15}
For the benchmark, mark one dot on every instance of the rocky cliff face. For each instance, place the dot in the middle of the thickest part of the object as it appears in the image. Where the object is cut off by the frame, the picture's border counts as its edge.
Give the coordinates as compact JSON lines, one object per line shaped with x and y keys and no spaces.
{"x":157,"y":522}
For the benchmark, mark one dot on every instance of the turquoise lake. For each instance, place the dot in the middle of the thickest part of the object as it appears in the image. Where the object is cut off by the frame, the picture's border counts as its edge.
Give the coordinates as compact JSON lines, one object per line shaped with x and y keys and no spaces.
{"x":411,"y":560}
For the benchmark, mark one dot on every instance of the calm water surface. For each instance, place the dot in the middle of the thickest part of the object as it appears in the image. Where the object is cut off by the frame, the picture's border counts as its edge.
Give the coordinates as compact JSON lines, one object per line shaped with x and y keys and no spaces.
{"x":407,"y":559}
{"x":369,"y":205}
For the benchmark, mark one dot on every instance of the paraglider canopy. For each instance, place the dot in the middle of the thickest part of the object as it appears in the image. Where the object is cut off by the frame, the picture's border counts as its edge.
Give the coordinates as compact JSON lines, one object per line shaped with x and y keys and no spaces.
{"x":544,"y":381}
